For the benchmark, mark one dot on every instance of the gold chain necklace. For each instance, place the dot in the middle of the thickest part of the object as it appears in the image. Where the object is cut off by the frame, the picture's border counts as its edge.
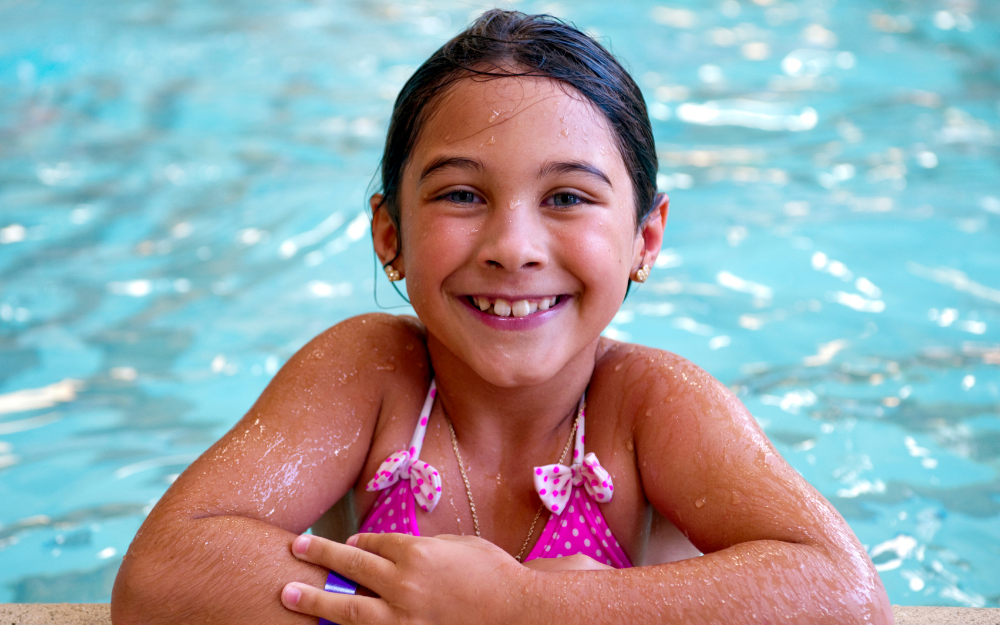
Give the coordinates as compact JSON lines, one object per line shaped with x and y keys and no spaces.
{"x":468,"y":488}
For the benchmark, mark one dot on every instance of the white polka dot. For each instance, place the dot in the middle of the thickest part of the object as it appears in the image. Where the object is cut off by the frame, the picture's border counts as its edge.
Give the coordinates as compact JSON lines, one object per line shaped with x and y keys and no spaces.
{"x":586,"y":542}
{"x":370,"y":528}
{"x":379,"y":522}
{"x":568,"y":545}
{"x":599,"y":520}
{"x":609,"y":562}
{"x":392,"y":512}
{"x":587,"y":503}
{"x":616,"y":544}
{"x":564,"y":523}
{"x":571,"y":508}
{"x":607,"y":532}
{"x":579,"y":553}
{"x":581,"y":519}
{"x":381,"y":531}
{"x":392,"y":527}
{"x":547,"y":547}
{"x":605,"y":543}
{"x":404,"y":505}
{"x":388,"y":500}
{"x":593,"y":530}
{"x":577,"y":494}
{"x":599,"y":553}
{"x":576,"y":532}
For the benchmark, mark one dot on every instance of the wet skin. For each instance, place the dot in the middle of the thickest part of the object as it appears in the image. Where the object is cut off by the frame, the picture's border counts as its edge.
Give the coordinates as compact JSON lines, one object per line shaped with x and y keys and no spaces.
{"x":515,"y":190}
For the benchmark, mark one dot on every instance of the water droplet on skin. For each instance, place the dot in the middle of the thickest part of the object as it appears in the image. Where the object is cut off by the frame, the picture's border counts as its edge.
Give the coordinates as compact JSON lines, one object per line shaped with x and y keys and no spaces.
{"x":699,"y":503}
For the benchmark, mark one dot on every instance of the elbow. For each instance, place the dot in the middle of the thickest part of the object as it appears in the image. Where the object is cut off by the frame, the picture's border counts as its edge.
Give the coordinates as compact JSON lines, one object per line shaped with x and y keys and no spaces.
{"x":862,"y":588}
{"x":877,"y":601}
{"x":145,"y":594}
{"x":127,"y":595}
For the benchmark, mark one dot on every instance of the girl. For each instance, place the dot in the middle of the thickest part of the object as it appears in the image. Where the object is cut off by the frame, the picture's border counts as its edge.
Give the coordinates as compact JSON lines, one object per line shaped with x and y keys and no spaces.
{"x":504,"y":462}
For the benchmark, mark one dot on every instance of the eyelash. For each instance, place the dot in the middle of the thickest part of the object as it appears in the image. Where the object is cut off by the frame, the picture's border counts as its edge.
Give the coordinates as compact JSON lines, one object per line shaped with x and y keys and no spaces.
{"x":578,"y":200}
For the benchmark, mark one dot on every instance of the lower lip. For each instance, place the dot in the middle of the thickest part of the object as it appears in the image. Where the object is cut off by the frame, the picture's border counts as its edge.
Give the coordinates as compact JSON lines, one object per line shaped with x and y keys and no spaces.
{"x":528,"y":322}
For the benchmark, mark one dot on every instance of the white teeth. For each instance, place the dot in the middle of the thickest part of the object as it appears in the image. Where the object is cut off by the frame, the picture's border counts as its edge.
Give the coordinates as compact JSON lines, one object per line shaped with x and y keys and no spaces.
{"x":519,"y":308}
{"x":501,"y":308}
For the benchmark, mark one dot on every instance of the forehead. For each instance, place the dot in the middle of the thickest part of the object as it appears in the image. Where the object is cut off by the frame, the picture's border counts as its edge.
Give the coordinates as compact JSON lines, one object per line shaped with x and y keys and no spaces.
{"x":535,"y":117}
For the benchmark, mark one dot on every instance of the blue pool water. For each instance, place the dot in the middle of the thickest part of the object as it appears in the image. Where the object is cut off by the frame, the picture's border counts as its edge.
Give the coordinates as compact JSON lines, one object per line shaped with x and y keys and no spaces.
{"x":182,"y":187}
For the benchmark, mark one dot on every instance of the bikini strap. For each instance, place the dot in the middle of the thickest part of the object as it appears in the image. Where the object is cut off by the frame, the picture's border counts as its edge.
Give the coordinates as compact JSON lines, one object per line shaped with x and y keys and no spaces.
{"x":578,"y":452}
{"x":417,"y":442}
{"x":425,"y":482}
{"x":554,"y":483}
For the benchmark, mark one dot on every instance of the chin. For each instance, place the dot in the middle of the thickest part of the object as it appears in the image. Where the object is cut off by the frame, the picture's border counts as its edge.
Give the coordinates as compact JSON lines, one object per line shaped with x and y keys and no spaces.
{"x":511,"y":372}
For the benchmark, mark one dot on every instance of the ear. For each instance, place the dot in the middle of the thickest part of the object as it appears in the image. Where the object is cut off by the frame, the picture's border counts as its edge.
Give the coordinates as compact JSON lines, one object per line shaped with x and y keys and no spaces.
{"x":649,"y":239}
{"x":385,"y":234}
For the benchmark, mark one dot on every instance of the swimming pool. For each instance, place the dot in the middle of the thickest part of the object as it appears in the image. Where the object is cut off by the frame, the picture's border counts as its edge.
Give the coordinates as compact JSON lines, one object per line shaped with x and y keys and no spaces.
{"x":182,"y":187}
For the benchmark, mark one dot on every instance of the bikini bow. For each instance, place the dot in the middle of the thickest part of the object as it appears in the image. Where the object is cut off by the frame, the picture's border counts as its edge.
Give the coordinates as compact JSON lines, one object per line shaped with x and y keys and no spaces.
{"x":555,"y":482}
{"x":424,"y":479}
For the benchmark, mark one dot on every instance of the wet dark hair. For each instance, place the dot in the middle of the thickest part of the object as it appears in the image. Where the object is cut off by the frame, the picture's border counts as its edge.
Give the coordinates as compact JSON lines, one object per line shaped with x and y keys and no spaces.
{"x":509,"y":43}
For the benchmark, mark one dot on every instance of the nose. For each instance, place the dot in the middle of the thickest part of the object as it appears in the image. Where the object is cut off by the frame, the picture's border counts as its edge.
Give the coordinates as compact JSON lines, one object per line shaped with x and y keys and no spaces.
{"x":513,"y":237}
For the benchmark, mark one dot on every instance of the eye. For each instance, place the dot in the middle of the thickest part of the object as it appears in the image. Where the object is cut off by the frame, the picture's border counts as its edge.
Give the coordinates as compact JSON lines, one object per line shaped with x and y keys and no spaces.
{"x":460,"y":197}
{"x":565,"y":199}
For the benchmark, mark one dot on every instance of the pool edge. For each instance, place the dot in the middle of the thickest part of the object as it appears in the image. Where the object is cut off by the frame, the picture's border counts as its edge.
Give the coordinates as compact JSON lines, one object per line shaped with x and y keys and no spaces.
{"x":99,"y":614}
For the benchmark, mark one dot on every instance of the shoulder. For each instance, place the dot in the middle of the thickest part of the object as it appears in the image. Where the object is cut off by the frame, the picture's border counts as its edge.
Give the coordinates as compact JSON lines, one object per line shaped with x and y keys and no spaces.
{"x":659,"y":384}
{"x":378,"y":330}
{"x":374,"y":341}
{"x":356,"y":361}
{"x":676,"y":411}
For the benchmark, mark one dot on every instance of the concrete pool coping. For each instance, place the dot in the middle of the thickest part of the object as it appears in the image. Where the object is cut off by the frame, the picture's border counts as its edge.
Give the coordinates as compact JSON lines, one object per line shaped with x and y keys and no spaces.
{"x":99,"y":614}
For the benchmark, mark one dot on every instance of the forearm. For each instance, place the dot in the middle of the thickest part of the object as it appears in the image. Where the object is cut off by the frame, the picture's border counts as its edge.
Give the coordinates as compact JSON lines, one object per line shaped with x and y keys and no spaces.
{"x":753,"y":582}
{"x":223,"y":569}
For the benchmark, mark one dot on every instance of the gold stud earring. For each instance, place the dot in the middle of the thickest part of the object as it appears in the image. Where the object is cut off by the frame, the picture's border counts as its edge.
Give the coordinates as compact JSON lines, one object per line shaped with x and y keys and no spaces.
{"x":642,"y":273}
{"x":392,"y":274}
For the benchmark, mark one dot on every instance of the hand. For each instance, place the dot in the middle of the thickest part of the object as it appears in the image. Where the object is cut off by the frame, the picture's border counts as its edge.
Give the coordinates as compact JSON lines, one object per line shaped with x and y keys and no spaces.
{"x":446,"y":579}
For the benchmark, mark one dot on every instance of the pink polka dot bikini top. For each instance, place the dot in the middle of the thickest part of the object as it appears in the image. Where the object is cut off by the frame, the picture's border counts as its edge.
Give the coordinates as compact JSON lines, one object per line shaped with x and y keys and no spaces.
{"x":572,"y":494}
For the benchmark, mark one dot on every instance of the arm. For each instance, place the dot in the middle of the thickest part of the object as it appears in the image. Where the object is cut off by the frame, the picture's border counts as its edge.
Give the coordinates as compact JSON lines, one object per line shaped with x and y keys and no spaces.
{"x":776,"y":550}
{"x":216,"y":546}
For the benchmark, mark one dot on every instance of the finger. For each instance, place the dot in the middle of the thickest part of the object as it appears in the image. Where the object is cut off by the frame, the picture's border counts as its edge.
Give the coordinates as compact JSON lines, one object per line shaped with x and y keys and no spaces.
{"x":357,"y":565}
{"x":340,"y":609}
{"x":392,"y":547}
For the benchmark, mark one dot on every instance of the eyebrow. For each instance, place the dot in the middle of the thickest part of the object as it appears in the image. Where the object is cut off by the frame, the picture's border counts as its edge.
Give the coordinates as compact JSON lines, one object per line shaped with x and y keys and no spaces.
{"x":567,"y":167}
{"x":451,"y":161}
{"x":548,"y":169}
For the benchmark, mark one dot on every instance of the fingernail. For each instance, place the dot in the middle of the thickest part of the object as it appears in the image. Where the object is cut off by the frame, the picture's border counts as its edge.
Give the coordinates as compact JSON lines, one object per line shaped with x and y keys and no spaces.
{"x":300,"y":544}
{"x":353,"y":541}
{"x":290,"y":595}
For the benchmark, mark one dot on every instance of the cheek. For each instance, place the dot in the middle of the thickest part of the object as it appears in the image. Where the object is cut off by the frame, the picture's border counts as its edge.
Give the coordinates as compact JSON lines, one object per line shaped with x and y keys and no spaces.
{"x":602,"y":254}
{"x":432,"y":251}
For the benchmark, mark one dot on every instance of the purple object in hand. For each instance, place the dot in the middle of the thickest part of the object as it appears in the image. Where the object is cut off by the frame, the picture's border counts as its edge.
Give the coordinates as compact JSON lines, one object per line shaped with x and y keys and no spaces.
{"x":340,"y":585}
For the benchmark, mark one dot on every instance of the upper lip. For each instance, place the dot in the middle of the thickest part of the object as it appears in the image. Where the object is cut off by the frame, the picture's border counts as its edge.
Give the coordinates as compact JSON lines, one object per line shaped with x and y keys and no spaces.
{"x":513,"y":298}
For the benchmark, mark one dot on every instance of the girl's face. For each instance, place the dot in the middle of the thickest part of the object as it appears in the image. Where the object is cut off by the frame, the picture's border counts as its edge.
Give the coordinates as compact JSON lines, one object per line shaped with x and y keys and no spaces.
{"x":518,"y":227}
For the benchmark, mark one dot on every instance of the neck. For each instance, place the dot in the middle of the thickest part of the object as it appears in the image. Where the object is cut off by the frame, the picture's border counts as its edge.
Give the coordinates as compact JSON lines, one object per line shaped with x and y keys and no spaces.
{"x":481,"y":411}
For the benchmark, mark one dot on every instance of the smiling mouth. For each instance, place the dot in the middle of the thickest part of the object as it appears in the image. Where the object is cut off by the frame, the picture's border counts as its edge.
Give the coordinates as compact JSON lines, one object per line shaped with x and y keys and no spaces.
{"x":513,"y":308}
